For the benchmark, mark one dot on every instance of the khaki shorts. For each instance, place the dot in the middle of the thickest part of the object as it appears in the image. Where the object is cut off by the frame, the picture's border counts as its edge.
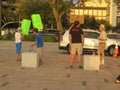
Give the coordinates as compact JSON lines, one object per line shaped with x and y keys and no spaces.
{"x":76,"y":47}
{"x":40,"y":53}
{"x":101,"y":47}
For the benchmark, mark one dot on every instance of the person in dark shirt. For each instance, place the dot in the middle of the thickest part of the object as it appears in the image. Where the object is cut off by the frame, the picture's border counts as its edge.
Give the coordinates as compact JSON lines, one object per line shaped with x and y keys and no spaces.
{"x":76,"y":39}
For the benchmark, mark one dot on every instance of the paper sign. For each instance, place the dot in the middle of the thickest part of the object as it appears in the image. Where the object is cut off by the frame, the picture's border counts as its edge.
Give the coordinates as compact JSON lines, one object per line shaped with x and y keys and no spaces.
{"x":25,"y":26}
{"x":80,"y":18}
{"x":37,"y":22}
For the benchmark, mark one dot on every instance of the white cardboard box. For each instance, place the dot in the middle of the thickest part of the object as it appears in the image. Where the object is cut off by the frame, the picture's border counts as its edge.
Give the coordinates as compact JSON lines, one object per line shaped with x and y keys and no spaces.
{"x":91,"y":62}
{"x":30,"y":59}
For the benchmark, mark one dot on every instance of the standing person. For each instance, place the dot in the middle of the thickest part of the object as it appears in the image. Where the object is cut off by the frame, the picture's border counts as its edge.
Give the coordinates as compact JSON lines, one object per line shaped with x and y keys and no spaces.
{"x":76,"y":39}
{"x":102,"y":42}
{"x":18,"y":41}
{"x":39,"y":43}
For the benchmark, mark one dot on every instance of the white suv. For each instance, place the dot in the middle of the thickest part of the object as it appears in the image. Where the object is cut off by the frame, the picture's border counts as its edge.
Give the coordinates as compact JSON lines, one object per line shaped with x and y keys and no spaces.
{"x":91,"y":42}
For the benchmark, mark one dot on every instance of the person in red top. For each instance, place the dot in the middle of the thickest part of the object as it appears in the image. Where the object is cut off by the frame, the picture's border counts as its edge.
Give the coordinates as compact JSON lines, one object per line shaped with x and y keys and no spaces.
{"x":76,"y":39}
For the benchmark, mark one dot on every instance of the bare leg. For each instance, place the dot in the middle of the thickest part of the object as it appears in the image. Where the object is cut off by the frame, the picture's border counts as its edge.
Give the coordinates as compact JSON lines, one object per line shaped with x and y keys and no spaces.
{"x":17,"y":56}
{"x":99,"y":54}
{"x":102,"y":57}
{"x":72,"y":57}
{"x":79,"y":59}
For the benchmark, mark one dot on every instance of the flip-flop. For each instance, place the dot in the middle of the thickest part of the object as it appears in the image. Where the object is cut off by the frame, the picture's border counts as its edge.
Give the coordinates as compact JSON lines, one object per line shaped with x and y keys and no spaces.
{"x":18,"y":59}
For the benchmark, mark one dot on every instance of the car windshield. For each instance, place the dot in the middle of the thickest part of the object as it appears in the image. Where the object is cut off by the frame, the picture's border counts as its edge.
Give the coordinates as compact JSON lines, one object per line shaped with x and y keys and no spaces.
{"x":91,"y":34}
{"x":11,"y":25}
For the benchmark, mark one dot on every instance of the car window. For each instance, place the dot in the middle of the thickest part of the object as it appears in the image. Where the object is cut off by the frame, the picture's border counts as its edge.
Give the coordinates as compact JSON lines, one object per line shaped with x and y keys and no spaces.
{"x":51,"y":31}
{"x":111,"y":36}
{"x":117,"y":36}
{"x":91,"y":35}
{"x":11,"y":25}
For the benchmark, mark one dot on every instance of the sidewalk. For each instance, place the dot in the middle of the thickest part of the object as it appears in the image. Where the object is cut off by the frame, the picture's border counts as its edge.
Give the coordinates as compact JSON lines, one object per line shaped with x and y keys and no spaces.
{"x":54,"y":74}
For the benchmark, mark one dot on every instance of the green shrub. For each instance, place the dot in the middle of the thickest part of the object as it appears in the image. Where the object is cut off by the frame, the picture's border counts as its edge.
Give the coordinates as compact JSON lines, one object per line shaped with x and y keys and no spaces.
{"x":29,"y":38}
{"x":46,"y":38}
{"x":8,"y":36}
{"x":49,"y":38}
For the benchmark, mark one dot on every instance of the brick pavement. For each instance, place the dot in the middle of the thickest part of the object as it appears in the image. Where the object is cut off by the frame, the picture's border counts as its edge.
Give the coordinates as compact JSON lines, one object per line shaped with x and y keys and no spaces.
{"x":54,"y":74}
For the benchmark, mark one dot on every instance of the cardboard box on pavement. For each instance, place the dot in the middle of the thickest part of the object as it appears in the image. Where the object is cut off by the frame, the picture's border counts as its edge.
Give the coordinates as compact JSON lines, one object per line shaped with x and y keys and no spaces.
{"x":30,"y":59}
{"x":91,"y":62}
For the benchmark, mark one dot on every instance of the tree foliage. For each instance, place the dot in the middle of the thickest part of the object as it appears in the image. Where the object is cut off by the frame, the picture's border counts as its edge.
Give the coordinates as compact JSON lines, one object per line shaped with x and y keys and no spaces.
{"x":36,"y":7}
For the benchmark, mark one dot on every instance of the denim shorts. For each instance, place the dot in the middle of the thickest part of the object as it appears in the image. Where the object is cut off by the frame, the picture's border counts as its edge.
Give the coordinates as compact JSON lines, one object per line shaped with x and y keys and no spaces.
{"x":18,"y":47}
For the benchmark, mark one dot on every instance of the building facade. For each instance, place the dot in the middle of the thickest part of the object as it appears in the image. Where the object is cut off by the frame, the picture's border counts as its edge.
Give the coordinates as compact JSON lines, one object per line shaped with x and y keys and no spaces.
{"x":100,"y":10}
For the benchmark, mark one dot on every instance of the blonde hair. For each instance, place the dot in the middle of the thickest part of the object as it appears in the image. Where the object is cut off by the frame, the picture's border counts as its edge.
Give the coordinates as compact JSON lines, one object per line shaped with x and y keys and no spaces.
{"x":103,"y":26}
{"x":18,"y":29}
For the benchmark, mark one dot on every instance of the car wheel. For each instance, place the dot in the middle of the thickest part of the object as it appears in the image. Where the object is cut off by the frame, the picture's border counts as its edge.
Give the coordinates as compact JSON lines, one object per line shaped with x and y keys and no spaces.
{"x":111,"y":50}
{"x":68,"y":49}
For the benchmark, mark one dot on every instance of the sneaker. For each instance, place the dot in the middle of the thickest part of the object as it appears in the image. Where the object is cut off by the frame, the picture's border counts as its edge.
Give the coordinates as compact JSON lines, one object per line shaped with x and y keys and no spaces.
{"x":80,"y":67}
{"x":40,"y":62}
{"x":71,"y":66}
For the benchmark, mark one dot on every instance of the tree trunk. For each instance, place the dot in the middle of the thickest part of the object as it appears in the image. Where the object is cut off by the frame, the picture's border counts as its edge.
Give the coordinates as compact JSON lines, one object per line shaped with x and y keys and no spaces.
{"x":59,"y":25}
{"x":58,"y":20}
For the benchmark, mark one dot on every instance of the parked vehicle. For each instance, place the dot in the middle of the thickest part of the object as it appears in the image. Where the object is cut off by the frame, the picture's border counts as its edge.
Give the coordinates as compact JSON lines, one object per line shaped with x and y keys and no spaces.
{"x":91,"y":42}
{"x":9,"y":27}
{"x":54,"y":32}
{"x":112,"y":39}
{"x":51,"y":31}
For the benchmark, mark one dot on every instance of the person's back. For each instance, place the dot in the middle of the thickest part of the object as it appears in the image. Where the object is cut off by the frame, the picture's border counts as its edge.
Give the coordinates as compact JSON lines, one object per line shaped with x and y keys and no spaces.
{"x":76,"y":41}
{"x":76,"y":35}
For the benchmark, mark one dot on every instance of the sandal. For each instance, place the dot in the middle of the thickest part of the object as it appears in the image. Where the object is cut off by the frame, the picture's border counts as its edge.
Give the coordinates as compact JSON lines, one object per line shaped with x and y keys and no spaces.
{"x":18,"y":59}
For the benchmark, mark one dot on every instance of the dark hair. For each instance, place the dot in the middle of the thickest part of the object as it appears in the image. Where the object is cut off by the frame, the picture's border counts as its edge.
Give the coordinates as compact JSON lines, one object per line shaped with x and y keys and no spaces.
{"x":76,"y":23}
{"x":35,"y":30}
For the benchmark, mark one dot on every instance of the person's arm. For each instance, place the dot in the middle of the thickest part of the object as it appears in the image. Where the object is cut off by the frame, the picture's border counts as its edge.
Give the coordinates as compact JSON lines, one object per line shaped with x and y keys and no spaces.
{"x":22,"y":36}
{"x":35,"y":43}
{"x":82,"y":39}
{"x":70,"y":38}
{"x":70,"y":27}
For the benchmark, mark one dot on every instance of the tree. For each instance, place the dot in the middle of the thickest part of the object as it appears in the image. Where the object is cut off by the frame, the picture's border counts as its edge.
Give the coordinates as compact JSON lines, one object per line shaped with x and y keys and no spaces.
{"x":36,"y":7}
{"x":59,"y":7}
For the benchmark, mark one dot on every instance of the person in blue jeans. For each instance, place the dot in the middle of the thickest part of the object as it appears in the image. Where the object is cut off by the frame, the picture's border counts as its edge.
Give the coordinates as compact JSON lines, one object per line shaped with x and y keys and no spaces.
{"x":39,"y":43}
{"x":18,"y":42}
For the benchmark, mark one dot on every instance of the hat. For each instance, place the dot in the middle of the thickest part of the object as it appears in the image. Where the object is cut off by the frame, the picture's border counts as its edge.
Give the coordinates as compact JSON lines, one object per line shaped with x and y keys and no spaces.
{"x":18,"y":29}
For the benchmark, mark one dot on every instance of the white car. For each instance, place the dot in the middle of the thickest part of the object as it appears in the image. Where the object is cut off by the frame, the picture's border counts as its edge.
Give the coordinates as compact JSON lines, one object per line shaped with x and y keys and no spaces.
{"x":91,"y":42}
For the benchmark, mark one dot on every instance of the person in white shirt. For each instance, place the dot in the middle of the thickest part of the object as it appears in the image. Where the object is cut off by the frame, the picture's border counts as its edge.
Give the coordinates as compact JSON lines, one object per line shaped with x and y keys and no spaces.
{"x":18,"y":42}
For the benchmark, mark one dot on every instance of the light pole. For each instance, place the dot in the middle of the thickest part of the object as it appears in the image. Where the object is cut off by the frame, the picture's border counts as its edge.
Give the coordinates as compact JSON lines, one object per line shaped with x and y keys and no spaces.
{"x":0,"y":15}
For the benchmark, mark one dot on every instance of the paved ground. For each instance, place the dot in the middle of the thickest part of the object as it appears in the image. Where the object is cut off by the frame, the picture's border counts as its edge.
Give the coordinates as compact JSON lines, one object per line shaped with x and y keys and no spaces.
{"x":54,"y":74}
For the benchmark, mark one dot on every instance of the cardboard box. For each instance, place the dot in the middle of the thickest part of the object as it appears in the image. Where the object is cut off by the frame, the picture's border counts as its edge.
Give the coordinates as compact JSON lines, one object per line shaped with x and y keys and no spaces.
{"x":73,"y":18}
{"x":91,"y":62}
{"x":30,"y":59}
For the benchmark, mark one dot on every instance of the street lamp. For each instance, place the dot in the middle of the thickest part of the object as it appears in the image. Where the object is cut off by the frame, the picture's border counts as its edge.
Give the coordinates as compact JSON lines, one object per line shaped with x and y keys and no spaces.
{"x":0,"y":15}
